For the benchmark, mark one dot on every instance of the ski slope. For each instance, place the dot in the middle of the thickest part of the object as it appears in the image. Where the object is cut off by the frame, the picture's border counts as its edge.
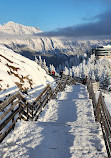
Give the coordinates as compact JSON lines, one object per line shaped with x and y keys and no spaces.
{"x":65,"y":129}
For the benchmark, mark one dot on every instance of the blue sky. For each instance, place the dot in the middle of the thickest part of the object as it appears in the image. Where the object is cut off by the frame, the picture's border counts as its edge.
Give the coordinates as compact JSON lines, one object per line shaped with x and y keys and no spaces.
{"x":51,"y":14}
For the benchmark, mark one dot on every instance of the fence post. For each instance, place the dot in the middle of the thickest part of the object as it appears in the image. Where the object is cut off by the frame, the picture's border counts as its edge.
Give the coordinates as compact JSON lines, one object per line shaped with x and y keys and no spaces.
{"x":12,"y":117}
{"x":32,"y":111}
{"x":90,"y":90}
{"x":98,"y":109}
{"x":20,"y":108}
{"x":27,"y":111}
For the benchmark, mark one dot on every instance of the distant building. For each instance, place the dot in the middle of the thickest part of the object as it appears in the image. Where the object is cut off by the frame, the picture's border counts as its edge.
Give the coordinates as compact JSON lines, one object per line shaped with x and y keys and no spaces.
{"x":102,"y":52}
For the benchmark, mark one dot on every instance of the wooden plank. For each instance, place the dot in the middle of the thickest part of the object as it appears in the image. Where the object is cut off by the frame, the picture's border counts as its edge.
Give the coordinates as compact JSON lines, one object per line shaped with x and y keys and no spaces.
{"x":39,"y":110}
{"x":27,"y":103}
{"x":20,"y":110}
{"x":7,"y":120}
{"x":23,"y":118}
{"x":35,"y":105}
{"x":40,"y":98}
{"x":106,"y":126}
{"x":25,"y":109}
{"x":39,"y":106}
{"x":105,"y":109}
{"x":106,"y":118}
{"x":108,"y":148}
{"x":106,"y":137}
{"x":25,"y":113}
{"x":11,"y":99}
{"x":11,"y":108}
{"x":2,"y":136}
{"x":41,"y":93}
{"x":8,"y":101}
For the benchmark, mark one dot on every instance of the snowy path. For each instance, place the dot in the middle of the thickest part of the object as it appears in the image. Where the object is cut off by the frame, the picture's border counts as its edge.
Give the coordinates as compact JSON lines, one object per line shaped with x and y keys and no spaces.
{"x":66,"y":129}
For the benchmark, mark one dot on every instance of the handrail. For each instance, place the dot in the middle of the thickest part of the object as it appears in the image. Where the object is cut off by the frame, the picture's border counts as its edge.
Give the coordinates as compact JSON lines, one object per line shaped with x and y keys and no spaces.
{"x":9,"y":100}
{"x":102,"y":116}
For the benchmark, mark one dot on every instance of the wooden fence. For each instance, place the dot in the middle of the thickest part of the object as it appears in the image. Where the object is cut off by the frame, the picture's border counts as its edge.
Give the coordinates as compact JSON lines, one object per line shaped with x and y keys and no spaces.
{"x":102,"y":116}
{"x":17,"y":107}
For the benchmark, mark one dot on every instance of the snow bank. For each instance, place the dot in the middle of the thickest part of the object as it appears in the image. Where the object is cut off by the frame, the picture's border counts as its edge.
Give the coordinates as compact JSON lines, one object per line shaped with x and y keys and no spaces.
{"x":20,"y":73}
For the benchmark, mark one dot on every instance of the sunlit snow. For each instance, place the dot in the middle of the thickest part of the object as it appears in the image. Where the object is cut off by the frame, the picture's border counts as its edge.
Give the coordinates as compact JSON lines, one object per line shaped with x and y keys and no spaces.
{"x":66,"y":128}
{"x":20,"y":73}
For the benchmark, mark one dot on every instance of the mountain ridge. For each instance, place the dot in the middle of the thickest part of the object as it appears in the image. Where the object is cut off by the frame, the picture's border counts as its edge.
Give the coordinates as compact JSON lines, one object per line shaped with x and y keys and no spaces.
{"x":25,"y":41}
{"x":15,"y":28}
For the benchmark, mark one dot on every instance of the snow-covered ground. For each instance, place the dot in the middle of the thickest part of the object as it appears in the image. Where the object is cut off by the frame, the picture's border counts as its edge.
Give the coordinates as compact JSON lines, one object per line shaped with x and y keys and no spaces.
{"x":20,"y":73}
{"x":66,"y":128}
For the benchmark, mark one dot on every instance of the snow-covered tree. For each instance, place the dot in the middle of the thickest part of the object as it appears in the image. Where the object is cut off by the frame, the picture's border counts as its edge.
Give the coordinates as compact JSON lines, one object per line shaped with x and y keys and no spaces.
{"x":36,"y":60}
{"x":66,"y":71}
{"x":45,"y":66}
{"x":70,"y":72}
{"x":40,"y":61}
{"x":94,"y":69}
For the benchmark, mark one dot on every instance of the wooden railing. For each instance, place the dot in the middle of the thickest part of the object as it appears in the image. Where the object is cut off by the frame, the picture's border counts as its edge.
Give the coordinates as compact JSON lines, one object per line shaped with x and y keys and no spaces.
{"x":17,"y":107}
{"x":9,"y":110}
{"x":102,"y":116}
{"x":41,"y":101}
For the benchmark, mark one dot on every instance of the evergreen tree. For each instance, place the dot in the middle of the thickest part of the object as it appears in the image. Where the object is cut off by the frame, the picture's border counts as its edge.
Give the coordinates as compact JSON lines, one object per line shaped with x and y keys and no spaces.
{"x":40,"y":61}
{"x":45,"y":66}
{"x":70,"y":72}
{"x":36,"y":60}
{"x":66,"y":71}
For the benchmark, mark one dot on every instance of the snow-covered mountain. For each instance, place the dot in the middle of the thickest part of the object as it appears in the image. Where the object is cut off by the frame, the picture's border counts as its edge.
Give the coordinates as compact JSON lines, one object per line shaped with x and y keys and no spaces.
{"x":15,"y":28}
{"x":24,"y":40}
{"x":24,"y":37}
{"x":20,"y":73}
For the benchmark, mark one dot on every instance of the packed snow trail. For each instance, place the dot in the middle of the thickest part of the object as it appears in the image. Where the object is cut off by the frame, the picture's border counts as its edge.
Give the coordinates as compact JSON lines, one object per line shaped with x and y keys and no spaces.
{"x":65,"y":129}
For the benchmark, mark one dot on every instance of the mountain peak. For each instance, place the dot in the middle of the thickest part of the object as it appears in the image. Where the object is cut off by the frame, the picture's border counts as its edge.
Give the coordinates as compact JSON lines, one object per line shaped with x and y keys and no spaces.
{"x":15,"y":28}
{"x":10,"y":23}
